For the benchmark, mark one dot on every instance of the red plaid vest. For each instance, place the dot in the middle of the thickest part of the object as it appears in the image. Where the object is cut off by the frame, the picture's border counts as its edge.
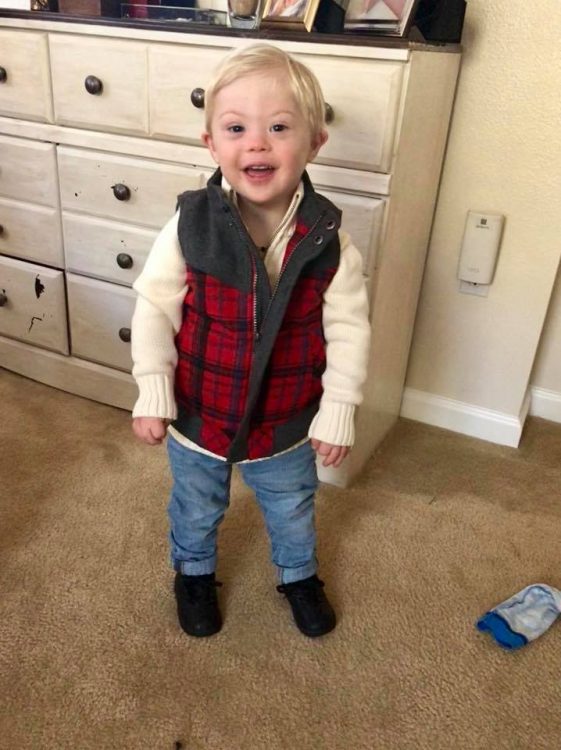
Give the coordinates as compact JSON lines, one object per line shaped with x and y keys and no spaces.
{"x":250,"y":359}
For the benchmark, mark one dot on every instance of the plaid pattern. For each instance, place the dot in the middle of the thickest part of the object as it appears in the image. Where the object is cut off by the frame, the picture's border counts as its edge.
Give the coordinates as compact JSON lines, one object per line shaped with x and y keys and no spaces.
{"x":215,"y":346}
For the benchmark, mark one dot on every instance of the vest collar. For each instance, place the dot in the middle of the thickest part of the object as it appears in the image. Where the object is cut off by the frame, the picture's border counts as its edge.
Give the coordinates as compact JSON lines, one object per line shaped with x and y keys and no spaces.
{"x":215,"y":187}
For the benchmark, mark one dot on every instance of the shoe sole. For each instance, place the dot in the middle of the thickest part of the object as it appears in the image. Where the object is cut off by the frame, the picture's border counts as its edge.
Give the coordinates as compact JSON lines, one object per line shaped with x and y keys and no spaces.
{"x":199,"y":633}
{"x":317,"y":633}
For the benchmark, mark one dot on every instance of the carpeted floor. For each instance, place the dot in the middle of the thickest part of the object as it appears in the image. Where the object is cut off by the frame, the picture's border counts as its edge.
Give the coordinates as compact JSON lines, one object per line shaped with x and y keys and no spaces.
{"x":439,"y":528}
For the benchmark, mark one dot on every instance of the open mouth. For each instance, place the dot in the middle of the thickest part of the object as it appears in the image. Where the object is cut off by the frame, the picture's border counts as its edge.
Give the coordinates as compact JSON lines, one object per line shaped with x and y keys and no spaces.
{"x":259,"y":170}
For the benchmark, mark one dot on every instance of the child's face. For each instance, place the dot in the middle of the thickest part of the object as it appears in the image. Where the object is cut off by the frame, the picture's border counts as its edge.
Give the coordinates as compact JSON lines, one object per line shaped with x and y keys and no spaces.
{"x":261,"y":140}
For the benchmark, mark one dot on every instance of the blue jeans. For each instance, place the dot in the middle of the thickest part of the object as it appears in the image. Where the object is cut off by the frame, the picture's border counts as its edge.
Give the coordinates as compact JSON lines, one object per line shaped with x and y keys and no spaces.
{"x":284,"y":486}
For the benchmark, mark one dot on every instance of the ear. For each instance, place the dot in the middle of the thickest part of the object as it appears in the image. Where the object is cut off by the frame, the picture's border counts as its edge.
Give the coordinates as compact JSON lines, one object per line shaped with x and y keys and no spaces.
{"x":318,"y":141}
{"x":209,"y":143}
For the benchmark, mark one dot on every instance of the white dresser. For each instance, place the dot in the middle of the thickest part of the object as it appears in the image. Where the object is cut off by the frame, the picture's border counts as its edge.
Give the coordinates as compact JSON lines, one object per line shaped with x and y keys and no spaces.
{"x":99,"y":134}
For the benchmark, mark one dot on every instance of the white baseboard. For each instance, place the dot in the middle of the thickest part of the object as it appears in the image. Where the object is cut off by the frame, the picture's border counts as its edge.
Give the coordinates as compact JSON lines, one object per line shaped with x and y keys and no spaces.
{"x":458,"y":416}
{"x":545,"y":404}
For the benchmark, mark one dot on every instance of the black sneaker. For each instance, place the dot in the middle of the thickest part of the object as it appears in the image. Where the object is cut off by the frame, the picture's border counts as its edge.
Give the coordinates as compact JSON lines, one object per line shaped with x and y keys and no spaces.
{"x":197,"y":604}
{"x":313,"y":614}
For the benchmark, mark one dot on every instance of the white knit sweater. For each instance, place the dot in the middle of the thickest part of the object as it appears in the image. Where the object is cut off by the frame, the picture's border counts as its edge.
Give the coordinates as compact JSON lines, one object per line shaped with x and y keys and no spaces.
{"x":161,"y":289}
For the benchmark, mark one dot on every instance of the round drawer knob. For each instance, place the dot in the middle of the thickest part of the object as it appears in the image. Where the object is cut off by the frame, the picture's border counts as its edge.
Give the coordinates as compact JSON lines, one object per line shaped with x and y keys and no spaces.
{"x":125,"y":334}
{"x":329,"y":113}
{"x":124,"y":260}
{"x":121,"y":192}
{"x":198,"y":98}
{"x":93,"y":85}
{"x":3,"y":299}
{"x":3,"y":75}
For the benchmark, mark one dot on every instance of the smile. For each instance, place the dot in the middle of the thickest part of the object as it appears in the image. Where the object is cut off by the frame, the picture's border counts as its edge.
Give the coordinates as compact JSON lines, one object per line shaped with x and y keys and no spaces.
{"x":258,"y":168}
{"x":259,"y":173}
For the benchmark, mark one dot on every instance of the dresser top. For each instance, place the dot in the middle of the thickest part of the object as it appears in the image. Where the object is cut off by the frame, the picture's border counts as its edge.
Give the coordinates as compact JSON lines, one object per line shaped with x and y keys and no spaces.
{"x":182,"y":32}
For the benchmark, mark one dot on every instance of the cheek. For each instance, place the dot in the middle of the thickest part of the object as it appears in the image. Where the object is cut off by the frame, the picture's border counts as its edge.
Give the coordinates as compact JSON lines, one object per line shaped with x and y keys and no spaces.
{"x":222,"y":153}
{"x":301,"y":157}
{"x":293,"y":153}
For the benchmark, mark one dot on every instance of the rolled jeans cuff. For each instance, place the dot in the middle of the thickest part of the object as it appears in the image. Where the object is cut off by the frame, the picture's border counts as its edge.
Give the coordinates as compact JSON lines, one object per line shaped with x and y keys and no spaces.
{"x":291,"y":575}
{"x":198,"y":568}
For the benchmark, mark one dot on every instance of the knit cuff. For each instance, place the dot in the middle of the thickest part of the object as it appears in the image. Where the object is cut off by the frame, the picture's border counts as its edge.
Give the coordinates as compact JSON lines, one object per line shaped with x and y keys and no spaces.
{"x":334,"y":423}
{"x":156,"y":397}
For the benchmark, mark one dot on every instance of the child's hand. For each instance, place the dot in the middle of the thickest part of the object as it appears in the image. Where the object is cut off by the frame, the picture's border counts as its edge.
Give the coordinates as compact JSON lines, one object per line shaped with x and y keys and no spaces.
{"x":333,"y":455}
{"x":151,"y":430}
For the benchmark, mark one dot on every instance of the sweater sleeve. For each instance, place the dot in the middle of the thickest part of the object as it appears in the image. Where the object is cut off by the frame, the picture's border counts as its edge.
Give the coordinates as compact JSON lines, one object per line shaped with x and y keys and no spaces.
{"x":161,"y":288}
{"x":347,"y":335}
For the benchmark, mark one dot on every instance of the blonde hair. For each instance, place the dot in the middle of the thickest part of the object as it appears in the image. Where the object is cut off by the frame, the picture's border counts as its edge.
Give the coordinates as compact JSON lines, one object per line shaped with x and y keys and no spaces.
{"x":262,"y":59}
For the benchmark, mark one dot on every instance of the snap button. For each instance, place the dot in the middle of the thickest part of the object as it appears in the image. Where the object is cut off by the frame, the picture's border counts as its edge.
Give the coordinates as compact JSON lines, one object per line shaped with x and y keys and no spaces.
{"x":330,"y":224}
{"x":318,"y":239}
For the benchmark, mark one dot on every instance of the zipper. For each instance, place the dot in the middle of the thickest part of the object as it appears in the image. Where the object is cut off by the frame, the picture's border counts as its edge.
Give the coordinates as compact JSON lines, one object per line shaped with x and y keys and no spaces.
{"x":312,"y":228}
{"x":245,"y":237}
{"x":256,"y":333}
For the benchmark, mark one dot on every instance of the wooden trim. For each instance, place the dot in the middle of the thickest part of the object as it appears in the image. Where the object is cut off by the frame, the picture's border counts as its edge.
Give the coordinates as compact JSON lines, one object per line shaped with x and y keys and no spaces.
{"x":467,"y":419}
{"x":545,"y":404}
{"x":69,"y":374}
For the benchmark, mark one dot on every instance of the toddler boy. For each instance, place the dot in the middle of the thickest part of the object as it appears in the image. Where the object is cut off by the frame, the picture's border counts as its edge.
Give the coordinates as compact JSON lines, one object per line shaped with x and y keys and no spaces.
{"x":250,"y":335}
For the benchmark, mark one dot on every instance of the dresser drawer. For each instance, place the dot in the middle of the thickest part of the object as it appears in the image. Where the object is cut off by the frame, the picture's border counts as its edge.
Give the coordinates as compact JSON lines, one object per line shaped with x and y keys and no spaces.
{"x":99,"y":83}
{"x":106,"y":249}
{"x":33,"y":307}
{"x":26,"y":89}
{"x":90,"y":180}
{"x":365,"y":97}
{"x":362,"y":219}
{"x":100,"y":320}
{"x":174,"y":72}
{"x":361,"y":134}
{"x":31,"y":232}
{"x":28,"y":171}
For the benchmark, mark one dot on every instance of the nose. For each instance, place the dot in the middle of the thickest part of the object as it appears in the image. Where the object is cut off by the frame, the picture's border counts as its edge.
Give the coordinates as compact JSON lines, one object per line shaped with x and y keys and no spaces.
{"x":257,"y":140}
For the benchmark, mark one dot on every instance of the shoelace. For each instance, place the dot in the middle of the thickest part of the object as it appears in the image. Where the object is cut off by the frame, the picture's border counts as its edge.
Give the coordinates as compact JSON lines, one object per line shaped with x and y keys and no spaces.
{"x":201,"y":591}
{"x":307,"y":589}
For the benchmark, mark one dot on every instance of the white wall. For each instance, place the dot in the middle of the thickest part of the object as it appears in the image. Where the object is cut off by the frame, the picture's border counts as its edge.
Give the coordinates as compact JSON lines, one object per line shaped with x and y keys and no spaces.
{"x":546,"y":377}
{"x":475,"y":354}
{"x":547,"y":371}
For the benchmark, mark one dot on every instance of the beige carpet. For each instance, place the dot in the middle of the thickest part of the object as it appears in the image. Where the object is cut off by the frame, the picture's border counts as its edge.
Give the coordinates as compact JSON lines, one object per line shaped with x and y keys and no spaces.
{"x":439,"y":528}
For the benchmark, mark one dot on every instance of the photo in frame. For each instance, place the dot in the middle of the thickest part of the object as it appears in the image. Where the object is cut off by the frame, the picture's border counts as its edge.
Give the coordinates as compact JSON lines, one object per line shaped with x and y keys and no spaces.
{"x":389,"y":17}
{"x":290,"y":14}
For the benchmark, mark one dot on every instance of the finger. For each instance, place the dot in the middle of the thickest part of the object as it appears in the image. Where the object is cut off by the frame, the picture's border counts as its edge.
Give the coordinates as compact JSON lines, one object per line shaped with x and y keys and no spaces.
{"x":147,"y":437}
{"x":324,"y":448}
{"x":158,"y":432}
{"x":344,"y":452}
{"x":331,"y":455}
{"x":144,"y":434}
{"x":155,"y":434}
{"x":337,"y":455}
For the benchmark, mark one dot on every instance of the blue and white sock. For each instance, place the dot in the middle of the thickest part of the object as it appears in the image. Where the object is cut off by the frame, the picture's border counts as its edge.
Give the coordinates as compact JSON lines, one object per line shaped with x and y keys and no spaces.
{"x":523,"y":617}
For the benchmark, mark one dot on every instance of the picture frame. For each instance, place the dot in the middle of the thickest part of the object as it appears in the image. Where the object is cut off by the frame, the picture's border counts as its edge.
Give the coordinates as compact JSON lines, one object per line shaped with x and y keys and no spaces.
{"x":289,"y":14}
{"x":383,"y":17}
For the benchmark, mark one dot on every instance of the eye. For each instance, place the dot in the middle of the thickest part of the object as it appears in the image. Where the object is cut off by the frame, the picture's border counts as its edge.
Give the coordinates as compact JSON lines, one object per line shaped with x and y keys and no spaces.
{"x":278,"y":127}
{"x":235,"y":129}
